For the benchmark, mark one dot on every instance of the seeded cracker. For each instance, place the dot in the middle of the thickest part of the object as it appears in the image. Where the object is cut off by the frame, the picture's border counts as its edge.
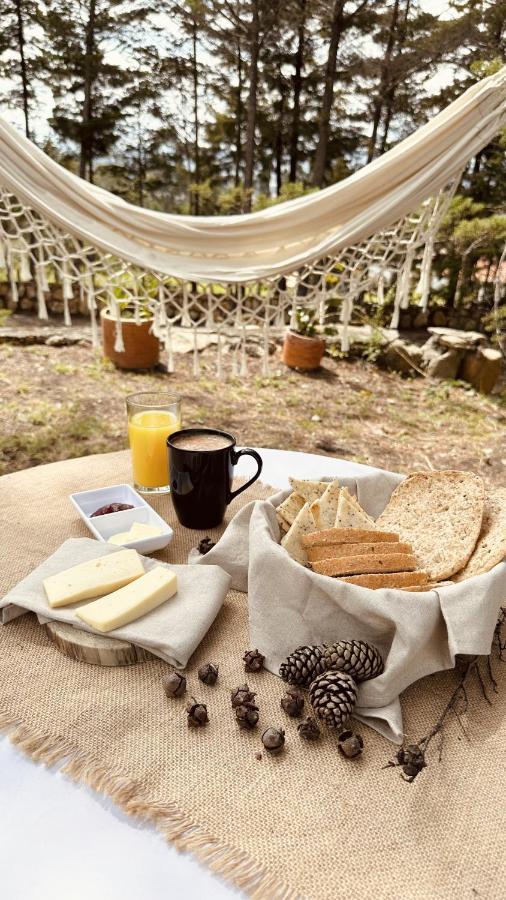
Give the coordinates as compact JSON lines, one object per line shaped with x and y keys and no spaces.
{"x":440,"y":515}
{"x":292,"y":541}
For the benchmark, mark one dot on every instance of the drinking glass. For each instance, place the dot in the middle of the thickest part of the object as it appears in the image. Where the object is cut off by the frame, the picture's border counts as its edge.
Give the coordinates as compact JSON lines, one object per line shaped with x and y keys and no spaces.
{"x":152,"y":417}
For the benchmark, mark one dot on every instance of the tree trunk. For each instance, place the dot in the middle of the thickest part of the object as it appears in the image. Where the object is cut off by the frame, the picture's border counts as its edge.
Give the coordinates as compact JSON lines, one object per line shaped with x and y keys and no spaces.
{"x":23,"y":67}
{"x":297,"y":90}
{"x":320,"y":162}
{"x":238,"y":118}
{"x":249,"y":153}
{"x":384,"y":79}
{"x":87,"y":137}
{"x":278,"y":150}
{"x":196,"y":123}
{"x":392,"y":87}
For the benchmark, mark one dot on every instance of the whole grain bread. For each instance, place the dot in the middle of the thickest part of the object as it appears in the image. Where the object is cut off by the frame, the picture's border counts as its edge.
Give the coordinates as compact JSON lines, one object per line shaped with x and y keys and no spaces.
{"x":440,"y":515}
{"x":491,"y":545}
{"x":346,"y":536}
{"x":330,"y":551}
{"x":430,"y":586}
{"x":365,"y":565}
{"x":396,"y":580}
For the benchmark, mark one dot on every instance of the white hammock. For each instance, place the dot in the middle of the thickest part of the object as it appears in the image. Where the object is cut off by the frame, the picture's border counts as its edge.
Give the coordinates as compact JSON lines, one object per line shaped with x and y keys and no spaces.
{"x":359,"y":233}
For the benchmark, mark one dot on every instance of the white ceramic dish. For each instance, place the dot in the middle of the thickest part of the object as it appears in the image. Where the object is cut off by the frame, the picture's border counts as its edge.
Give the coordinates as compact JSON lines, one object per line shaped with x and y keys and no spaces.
{"x":103,"y":527}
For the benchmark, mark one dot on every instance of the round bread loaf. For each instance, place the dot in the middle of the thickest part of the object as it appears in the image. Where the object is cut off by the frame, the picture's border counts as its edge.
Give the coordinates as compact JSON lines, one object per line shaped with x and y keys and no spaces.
{"x":440,"y":514}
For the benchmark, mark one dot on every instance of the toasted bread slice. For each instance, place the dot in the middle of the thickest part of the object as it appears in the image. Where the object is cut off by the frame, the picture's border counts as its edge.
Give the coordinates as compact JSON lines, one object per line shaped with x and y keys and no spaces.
{"x":324,"y":510}
{"x":350,"y":514}
{"x":400,"y":580}
{"x":289,"y":508}
{"x":303,"y":524}
{"x":366,"y":564}
{"x":347,"y":536}
{"x":330,"y":551}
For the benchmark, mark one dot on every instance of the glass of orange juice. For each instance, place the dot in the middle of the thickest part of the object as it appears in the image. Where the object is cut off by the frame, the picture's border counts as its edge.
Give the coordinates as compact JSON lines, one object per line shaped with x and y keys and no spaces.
{"x":152,"y":417}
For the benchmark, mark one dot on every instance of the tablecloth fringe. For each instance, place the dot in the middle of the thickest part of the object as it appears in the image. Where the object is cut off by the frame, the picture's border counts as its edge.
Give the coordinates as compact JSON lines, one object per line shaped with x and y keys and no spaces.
{"x":178,"y":828}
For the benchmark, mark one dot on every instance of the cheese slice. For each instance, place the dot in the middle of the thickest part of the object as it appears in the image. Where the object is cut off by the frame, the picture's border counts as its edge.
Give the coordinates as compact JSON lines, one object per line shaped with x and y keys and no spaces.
{"x":93,"y":578}
{"x":122,"y":537}
{"x":130,"y":602}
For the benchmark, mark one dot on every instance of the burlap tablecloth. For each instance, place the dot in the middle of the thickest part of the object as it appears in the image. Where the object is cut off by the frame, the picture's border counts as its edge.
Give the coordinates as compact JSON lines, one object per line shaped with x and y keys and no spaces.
{"x":305,"y":824}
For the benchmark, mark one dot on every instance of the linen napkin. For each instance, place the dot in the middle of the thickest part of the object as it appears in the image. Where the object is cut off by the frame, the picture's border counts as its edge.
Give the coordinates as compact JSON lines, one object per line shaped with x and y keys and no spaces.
{"x":291,"y":606}
{"x":172,"y":632}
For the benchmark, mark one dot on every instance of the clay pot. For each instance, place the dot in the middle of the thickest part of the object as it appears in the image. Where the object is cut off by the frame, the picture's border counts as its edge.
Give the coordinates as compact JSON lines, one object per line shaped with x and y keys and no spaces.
{"x":142,"y":349}
{"x":301,"y":352}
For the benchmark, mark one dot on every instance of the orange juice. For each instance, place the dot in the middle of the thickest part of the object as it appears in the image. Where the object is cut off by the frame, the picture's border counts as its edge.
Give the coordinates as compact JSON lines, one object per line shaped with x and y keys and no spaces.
{"x":148,"y":431}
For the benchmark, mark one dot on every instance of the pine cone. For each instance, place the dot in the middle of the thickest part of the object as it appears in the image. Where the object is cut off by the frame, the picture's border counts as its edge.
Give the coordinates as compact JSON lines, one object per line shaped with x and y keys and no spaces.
{"x":308,"y":729}
{"x":253,"y":661}
{"x":412,"y":760}
{"x":208,"y":674}
{"x":273,"y":739}
{"x":360,"y":659}
{"x":247,"y":715}
{"x":241,"y":696}
{"x":350,"y":744}
{"x":303,"y":665}
{"x":333,"y":696}
{"x":292,"y":702}
{"x":174,"y":684}
{"x":197,"y":714}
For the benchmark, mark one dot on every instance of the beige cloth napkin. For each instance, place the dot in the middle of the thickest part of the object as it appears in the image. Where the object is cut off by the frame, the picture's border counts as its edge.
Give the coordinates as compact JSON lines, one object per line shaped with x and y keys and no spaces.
{"x":289,"y":605}
{"x":172,"y":632}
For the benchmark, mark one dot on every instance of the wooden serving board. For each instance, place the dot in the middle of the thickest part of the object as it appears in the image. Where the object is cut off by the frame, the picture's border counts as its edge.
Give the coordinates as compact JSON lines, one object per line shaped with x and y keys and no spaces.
{"x":93,"y":648}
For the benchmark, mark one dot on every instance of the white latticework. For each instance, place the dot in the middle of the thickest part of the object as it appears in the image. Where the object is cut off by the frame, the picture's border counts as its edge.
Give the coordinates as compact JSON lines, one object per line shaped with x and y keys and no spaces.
{"x":32,"y":248}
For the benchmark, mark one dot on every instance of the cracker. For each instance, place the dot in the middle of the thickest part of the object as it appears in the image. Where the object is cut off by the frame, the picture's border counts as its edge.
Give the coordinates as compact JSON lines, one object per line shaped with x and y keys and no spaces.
{"x":292,"y":541}
{"x":491,"y":545}
{"x":396,"y":580}
{"x":440,"y":515}
{"x":289,"y":508}
{"x":283,"y":524}
{"x":350,"y":514}
{"x":309,"y":490}
{"x":324,"y":510}
{"x":346,"y":536}
{"x":330,"y":551}
{"x":366,"y":565}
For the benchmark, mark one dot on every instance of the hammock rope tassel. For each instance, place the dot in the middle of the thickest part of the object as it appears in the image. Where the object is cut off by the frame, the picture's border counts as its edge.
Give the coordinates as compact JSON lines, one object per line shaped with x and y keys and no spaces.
{"x":68,"y":294}
{"x":119,"y":344}
{"x":92,"y":308}
{"x":219,"y":357}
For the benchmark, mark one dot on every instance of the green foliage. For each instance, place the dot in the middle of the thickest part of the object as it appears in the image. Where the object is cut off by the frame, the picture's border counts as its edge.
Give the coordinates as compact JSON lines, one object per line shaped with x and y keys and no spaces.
{"x":305,"y":320}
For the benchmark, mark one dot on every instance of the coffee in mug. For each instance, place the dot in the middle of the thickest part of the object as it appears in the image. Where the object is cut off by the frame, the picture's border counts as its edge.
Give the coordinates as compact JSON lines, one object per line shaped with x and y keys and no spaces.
{"x":201,"y":466}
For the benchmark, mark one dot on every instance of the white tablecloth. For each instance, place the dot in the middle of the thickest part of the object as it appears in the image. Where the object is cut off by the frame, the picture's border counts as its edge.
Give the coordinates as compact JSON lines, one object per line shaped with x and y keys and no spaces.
{"x":62,"y":840}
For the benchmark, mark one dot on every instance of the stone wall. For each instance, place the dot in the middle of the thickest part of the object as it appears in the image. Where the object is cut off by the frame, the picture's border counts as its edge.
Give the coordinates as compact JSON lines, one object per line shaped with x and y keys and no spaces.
{"x":412,"y":319}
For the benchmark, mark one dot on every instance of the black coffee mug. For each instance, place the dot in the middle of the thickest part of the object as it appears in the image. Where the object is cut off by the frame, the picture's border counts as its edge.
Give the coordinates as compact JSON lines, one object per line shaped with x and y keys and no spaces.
{"x":201,"y":478}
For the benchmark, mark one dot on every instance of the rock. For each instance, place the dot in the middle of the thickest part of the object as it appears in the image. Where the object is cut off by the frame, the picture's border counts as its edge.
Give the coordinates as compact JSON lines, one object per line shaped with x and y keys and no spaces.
{"x":421,"y":319}
{"x":402,"y":356}
{"x":457,"y":339}
{"x":482,"y":369}
{"x":444,"y":365}
{"x":405,"y":322}
{"x":439,"y":317}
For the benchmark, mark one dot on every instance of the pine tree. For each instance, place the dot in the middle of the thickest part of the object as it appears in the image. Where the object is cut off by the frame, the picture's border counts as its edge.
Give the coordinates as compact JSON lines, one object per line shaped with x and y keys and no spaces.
{"x":19,"y":55}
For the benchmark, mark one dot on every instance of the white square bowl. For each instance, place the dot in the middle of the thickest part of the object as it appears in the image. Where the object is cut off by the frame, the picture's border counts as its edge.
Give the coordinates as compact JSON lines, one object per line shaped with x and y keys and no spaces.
{"x":103,"y":527}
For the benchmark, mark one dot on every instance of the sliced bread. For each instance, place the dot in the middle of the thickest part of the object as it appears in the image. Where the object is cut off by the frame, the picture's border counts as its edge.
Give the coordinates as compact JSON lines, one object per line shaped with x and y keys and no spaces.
{"x":330,"y":551}
{"x":346,"y":536}
{"x":395,"y":580}
{"x":365,"y":565}
{"x":491,"y":545}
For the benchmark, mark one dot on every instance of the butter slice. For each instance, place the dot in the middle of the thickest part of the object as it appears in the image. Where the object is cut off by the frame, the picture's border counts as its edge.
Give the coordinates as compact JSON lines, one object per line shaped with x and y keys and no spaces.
{"x":138,"y":531}
{"x":93,"y":578}
{"x":130,"y":602}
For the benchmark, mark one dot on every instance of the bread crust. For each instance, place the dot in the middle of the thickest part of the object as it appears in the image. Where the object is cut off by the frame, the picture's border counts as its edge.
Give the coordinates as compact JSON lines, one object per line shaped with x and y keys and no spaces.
{"x":366,"y":564}
{"x":347,"y":536}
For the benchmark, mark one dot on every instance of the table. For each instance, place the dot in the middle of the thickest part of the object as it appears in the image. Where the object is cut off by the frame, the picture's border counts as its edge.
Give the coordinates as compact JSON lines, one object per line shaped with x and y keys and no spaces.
{"x":62,"y":840}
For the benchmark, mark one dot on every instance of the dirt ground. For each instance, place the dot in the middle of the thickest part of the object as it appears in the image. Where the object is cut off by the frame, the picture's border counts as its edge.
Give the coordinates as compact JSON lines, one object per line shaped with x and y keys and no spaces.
{"x":60,"y":402}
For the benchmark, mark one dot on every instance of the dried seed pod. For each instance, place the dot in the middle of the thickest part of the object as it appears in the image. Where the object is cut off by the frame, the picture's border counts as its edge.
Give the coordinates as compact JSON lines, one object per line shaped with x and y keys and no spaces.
{"x":303,"y":665}
{"x":253,"y":661}
{"x":174,"y":684}
{"x":206,"y":544}
{"x":241,"y":695}
{"x":350,"y":744}
{"x":308,"y":729}
{"x":197,"y":714}
{"x":412,"y":760}
{"x":247,"y":715}
{"x":273,"y":739}
{"x":292,"y":702}
{"x":208,"y":674}
{"x":361,"y":660}
{"x":333,"y":696}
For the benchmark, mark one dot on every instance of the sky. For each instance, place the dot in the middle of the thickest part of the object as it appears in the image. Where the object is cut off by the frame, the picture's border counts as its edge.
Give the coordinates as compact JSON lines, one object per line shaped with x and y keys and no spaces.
{"x":42,"y":130}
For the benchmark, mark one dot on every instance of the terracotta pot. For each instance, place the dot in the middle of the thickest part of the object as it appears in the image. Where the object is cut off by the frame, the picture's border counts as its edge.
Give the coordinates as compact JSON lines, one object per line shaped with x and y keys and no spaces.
{"x":142,"y":349}
{"x":301,"y":352}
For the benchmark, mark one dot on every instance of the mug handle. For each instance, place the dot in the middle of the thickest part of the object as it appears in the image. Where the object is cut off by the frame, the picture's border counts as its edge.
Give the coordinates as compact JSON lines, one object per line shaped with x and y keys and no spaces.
{"x":235,"y":454}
